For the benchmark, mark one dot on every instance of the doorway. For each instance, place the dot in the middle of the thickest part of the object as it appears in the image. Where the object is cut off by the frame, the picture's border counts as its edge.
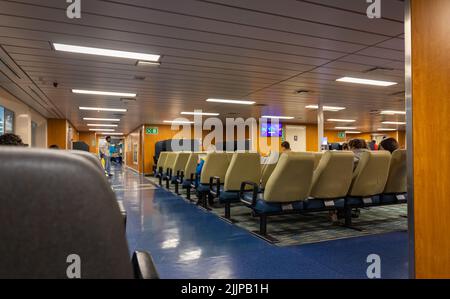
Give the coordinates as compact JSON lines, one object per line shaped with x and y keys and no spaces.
{"x":296,"y":136}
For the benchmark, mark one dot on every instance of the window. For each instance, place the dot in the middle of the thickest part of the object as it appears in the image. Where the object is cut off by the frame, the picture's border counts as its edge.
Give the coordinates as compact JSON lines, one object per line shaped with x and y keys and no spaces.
{"x":135,"y":153}
{"x":2,"y":120}
{"x":8,"y":121}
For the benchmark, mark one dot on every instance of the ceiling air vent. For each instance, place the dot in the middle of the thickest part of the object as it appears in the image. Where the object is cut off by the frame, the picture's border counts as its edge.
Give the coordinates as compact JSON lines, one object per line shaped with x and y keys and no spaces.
{"x":302,"y":91}
{"x":127,"y":100}
{"x":140,"y":78}
{"x":378,"y":68}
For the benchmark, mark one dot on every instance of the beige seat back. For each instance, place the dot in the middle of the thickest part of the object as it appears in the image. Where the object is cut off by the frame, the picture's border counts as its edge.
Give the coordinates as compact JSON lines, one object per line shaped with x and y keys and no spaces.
{"x":170,"y":160}
{"x":371,"y":174}
{"x":180,"y":161}
{"x":317,"y":157}
{"x":396,"y":182}
{"x":291,"y":179}
{"x":266,"y":172}
{"x":333,"y":176}
{"x":191,"y":165}
{"x":216,"y":165}
{"x":161,"y":160}
{"x":244,"y":167}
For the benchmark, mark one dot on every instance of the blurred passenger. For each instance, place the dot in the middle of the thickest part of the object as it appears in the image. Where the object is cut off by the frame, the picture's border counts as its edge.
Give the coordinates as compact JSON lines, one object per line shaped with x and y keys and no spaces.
{"x":345,"y":146}
{"x":389,"y":144}
{"x":53,"y":146}
{"x":106,"y":154}
{"x":373,"y":145}
{"x":11,"y":139}
{"x":285,"y":147}
{"x":357,"y":146}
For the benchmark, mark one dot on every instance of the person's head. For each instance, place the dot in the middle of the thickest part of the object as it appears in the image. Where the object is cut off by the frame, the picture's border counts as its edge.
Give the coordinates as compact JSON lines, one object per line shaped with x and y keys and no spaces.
{"x":53,"y":146}
{"x":285,"y":147}
{"x":345,"y":147}
{"x":108,"y":138}
{"x":389,"y":144}
{"x":357,"y":144}
{"x":11,"y":139}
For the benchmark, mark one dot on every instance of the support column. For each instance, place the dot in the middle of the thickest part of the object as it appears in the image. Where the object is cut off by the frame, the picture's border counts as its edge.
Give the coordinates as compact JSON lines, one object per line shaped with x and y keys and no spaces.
{"x":320,"y":126}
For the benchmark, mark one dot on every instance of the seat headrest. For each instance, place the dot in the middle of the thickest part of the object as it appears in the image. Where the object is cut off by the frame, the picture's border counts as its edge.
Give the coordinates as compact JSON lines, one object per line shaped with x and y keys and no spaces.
{"x":90,"y":157}
{"x":54,"y":204}
{"x":370,"y":176}
{"x":397,"y":178}
{"x":244,"y":167}
{"x":333,"y":175}
{"x":180,"y":161}
{"x":191,"y":165}
{"x":291,"y":179}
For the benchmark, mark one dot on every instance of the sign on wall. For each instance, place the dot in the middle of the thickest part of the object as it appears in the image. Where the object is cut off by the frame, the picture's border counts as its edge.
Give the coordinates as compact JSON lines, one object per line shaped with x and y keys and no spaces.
{"x":341,"y":135}
{"x":151,"y":131}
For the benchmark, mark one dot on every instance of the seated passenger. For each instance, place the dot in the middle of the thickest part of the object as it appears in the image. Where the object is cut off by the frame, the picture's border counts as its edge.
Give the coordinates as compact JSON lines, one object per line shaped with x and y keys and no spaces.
{"x":53,"y":146}
{"x":357,"y":146}
{"x":11,"y":139}
{"x":285,"y":147}
{"x":345,"y":146}
{"x":389,"y":144}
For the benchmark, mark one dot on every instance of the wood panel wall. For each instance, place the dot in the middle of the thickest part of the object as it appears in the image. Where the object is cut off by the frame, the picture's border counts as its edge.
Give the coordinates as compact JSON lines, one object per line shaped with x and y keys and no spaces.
{"x":57,"y":132}
{"x":431,"y":110}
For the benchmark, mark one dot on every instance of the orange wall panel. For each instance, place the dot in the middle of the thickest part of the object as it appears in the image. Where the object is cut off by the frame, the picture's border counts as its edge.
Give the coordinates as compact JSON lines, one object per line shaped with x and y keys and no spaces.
{"x":57,"y":132}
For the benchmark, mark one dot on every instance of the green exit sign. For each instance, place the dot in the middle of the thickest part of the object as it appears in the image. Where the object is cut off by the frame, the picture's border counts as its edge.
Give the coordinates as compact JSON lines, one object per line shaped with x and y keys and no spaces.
{"x":151,"y":131}
{"x":341,"y":135}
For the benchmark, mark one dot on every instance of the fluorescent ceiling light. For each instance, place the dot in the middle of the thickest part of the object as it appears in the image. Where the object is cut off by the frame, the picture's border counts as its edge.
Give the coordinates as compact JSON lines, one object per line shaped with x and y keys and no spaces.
{"x":341,"y":120}
{"x":346,"y":128}
{"x":102,"y":130}
{"x":106,"y":52}
{"x":326,"y":108}
{"x":393,"y":112}
{"x":394,"y":123}
{"x":104,"y":93}
{"x":101,"y":119}
{"x":178,"y":122}
{"x":352,"y":132}
{"x":148,"y":63}
{"x":366,"y":81}
{"x":200,"y":113}
{"x":117,"y":134}
{"x":240,"y":102}
{"x":277,"y":117}
{"x":386,"y":129}
{"x":103,"y":109}
{"x":102,"y":125}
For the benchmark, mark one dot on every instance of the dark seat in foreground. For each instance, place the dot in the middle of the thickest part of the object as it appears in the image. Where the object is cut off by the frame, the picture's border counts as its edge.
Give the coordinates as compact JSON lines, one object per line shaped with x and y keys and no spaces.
{"x":54,"y":204}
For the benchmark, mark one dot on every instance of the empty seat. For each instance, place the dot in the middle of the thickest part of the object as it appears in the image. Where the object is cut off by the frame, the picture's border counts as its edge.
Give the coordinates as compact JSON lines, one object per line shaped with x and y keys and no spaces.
{"x":244,"y":167}
{"x":216,"y":165}
{"x":266,"y":172}
{"x":317,"y":157}
{"x":167,"y":167}
{"x":187,"y":176}
{"x":331,"y":180}
{"x":90,"y":157}
{"x":178,"y":167}
{"x":286,"y":190}
{"x":52,"y":219}
{"x":161,"y":162}
{"x":396,"y":187}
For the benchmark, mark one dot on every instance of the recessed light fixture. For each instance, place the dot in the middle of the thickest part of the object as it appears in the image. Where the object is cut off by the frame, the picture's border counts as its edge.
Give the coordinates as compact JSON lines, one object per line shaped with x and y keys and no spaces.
{"x":346,"y":128}
{"x":326,"y":108}
{"x":102,"y":125}
{"x":104,"y":93}
{"x":102,"y":130}
{"x":200,"y":113}
{"x":148,"y":63}
{"x":352,"y":132}
{"x":277,"y":117}
{"x":103,"y":109}
{"x":386,"y":129}
{"x":341,"y":120}
{"x":366,"y":81}
{"x":106,"y":52}
{"x":181,"y":122}
{"x":393,"y":112}
{"x":225,"y":101}
{"x":394,"y":123}
{"x":117,"y":134}
{"x":101,"y":119}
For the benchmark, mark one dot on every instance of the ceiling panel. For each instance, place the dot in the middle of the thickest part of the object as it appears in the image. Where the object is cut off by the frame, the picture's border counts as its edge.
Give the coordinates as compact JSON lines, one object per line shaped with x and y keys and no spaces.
{"x":259,"y":49}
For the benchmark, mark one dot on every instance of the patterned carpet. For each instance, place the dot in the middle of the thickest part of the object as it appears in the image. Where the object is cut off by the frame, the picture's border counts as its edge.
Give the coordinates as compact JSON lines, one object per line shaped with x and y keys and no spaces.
{"x":315,"y":227}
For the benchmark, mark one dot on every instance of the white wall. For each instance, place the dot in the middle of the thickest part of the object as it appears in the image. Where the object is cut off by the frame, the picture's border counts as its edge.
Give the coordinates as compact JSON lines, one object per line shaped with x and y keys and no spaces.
{"x":24,"y":115}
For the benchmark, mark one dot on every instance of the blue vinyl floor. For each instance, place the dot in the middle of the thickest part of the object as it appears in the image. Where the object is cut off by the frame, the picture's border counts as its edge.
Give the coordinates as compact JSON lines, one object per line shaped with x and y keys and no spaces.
{"x":187,"y":242}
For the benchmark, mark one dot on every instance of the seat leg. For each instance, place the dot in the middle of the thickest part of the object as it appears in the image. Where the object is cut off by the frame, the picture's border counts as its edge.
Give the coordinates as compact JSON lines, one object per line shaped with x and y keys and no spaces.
{"x":188,"y":193}
{"x":177,"y":191}
{"x":167,"y":183}
{"x":227,"y":210}
{"x":348,"y":216}
{"x":160,"y":180}
{"x":263,"y":225}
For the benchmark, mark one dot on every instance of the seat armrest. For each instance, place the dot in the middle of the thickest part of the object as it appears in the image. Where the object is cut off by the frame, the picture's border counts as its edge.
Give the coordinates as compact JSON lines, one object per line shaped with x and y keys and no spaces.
{"x":255,"y":189}
{"x":214,"y":181}
{"x":143,"y":266}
